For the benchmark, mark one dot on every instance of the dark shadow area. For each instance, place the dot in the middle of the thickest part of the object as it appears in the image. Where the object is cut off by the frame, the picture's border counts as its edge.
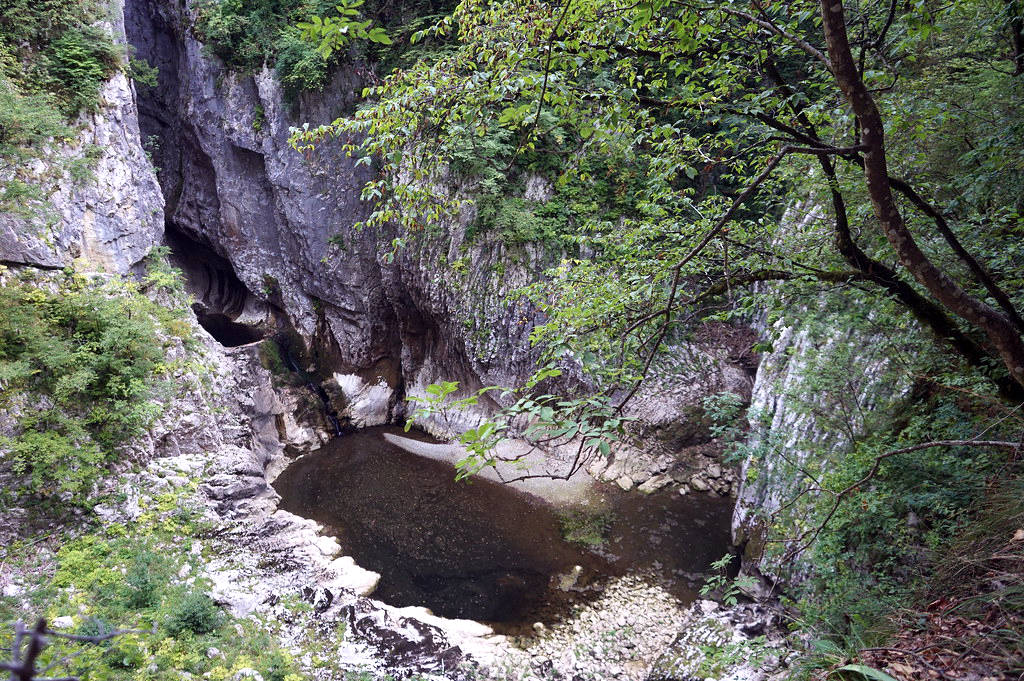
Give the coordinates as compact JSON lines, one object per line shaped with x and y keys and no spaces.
{"x":219,"y":294}
{"x":228,"y":333}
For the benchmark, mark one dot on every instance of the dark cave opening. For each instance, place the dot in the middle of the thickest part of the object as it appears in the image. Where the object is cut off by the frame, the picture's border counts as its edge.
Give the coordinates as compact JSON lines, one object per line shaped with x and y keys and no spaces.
{"x":226,"y":331}
{"x":221,"y":298}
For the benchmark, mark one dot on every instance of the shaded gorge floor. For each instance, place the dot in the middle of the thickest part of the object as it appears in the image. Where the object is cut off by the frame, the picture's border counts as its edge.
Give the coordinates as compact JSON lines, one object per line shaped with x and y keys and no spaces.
{"x":480,"y":550}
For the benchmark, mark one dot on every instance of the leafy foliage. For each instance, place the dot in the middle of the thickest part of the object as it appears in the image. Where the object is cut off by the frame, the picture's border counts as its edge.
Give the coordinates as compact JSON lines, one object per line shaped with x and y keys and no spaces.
{"x":661,"y":88}
{"x":672,"y":136}
{"x":79,"y":62}
{"x":589,"y":424}
{"x":131,"y":574}
{"x":79,"y":367}
{"x":331,"y":33}
{"x":300,"y":66}
{"x":53,"y":48}
{"x":26,"y":121}
{"x":143,"y":73}
{"x":728,"y":590}
{"x":53,"y":62}
{"x":289,"y":34}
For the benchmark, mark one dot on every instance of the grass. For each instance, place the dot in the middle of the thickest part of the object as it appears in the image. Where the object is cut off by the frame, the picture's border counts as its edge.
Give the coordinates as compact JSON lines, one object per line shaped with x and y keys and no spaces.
{"x":131,"y":575}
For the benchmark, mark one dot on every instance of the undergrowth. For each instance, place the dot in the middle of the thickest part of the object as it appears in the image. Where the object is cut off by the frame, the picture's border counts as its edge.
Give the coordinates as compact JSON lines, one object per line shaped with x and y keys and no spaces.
{"x":82,"y":366}
{"x":145,"y":575}
{"x":55,"y":57}
{"x":248,"y":35}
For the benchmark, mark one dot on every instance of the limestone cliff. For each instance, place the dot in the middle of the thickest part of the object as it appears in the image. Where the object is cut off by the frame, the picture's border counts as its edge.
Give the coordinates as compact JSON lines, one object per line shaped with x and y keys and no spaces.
{"x":100,"y":198}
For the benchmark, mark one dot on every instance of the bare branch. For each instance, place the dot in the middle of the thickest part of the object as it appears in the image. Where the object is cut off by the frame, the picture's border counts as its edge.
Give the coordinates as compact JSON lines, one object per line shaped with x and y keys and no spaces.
{"x":771,"y":27}
{"x":23,"y":667}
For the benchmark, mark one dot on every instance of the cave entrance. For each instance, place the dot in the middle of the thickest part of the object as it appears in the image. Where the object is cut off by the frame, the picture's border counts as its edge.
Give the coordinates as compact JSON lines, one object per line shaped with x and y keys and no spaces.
{"x":224,"y":306}
{"x":225,"y":331}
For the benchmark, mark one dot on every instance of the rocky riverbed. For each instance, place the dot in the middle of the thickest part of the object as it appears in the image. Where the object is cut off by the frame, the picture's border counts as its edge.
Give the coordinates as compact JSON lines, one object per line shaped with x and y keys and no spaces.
{"x":266,"y":563}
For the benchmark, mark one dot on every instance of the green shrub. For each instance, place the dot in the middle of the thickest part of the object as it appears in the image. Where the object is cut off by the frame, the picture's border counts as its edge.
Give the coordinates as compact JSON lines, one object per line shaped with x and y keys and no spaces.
{"x":26,"y":120}
{"x":80,"y":61}
{"x":270,"y":357}
{"x":79,"y":368}
{"x":94,"y":626}
{"x":176,"y":624}
{"x":142,"y":582}
{"x":196,"y":613}
{"x":299,"y":66}
{"x":142,"y":72}
{"x":53,"y":62}
{"x":245,"y":34}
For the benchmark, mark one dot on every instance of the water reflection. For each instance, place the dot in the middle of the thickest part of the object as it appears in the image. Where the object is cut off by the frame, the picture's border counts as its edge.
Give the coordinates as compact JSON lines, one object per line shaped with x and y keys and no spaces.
{"x":481,"y":550}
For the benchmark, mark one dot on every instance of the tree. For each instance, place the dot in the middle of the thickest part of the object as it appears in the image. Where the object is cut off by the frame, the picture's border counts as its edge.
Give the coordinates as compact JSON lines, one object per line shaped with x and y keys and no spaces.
{"x":897,"y":117}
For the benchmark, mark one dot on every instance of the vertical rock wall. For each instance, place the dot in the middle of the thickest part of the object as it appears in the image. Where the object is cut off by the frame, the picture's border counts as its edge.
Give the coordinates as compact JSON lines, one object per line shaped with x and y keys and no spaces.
{"x":798,"y":429}
{"x":284,"y":221}
{"x":100,"y":203}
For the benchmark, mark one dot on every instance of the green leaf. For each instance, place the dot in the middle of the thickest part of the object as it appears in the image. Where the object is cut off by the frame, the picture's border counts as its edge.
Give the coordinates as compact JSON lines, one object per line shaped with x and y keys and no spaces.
{"x":863,"y":671}
{"x":378,"y":35}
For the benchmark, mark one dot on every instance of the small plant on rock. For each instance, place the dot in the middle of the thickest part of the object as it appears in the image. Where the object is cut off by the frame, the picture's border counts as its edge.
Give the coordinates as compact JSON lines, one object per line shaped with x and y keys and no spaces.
{"x":729,"y":590}
{"x":196,"y":613}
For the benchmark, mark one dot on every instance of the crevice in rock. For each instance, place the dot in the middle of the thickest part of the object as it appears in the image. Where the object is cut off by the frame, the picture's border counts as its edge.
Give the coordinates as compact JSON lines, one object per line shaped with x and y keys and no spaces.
{"x":33,"y":265}
{"x":286,"y":346}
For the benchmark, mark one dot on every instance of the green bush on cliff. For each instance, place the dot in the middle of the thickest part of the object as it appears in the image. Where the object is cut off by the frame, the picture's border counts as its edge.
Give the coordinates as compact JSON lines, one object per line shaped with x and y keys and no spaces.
{"x":55,"y":48}
{"x":249,"y":35}
{"x":26,"y":120}
{"x":195,"y":613}
{"x":78,"y":63}
{"x":53,"y":63}
{"x":246,"y":35}
{"x":299,"y":66}
{"x":78,"y":367}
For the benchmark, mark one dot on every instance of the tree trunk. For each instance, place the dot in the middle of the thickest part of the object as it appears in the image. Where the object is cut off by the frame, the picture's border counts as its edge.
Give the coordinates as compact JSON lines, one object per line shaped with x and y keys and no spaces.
{"x":1016,"y":23}
{"x":996,"y":327}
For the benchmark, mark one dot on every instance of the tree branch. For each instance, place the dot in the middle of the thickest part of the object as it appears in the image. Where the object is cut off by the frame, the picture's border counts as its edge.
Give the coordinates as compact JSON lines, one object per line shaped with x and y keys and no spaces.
{"x":996,"y":326}
{"x":807,"y":537}
{"x":773,"y":28}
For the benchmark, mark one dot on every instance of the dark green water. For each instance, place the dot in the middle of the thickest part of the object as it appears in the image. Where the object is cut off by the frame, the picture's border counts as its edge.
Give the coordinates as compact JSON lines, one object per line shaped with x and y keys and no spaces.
{"x":481,"y":550}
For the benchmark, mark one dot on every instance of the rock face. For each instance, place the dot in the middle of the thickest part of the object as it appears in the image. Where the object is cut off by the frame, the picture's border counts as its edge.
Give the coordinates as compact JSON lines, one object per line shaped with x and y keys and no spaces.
{"x":794,"y":427}
{"x":235,"y":186}
{"x":281,"y":225}
{"x":223,"y":432}
{"x":103,"y":203}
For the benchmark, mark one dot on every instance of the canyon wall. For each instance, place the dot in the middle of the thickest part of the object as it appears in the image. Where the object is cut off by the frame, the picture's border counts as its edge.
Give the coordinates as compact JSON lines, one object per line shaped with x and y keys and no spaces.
{"x":278,"y":227}
{"x":266,"y":238}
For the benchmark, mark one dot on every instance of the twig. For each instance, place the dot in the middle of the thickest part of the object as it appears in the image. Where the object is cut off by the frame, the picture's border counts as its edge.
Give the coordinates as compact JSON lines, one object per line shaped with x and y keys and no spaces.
{"x":774,"y":28}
